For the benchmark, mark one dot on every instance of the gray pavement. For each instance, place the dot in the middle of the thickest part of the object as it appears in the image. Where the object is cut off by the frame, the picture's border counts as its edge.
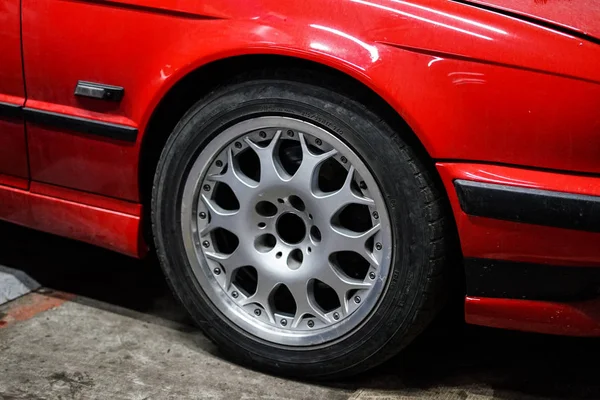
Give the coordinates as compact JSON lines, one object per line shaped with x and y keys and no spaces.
{"x":104,"y":326}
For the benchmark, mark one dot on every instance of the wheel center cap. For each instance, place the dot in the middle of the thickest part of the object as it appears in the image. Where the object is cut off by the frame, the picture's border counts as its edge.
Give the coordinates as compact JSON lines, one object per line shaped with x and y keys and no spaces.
{"x":291,"y":228}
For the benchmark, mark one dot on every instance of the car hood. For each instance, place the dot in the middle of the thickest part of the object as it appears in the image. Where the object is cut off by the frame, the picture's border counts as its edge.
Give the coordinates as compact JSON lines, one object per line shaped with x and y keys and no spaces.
{"x":581,"y":16}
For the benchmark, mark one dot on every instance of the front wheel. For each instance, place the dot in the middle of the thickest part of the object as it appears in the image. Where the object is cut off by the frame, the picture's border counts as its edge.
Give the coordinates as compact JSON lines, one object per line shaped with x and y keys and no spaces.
{"x":299,"y":231}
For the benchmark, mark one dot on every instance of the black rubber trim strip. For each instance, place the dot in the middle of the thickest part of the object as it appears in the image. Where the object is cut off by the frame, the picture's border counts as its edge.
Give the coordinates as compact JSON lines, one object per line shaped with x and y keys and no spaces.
{"x":68,"y":122}
{"x":8,"y":110}
{"x":530,"y":206}
{"x":519,"y":280}
{"x":82,"y":125}
{"x":536,"y":21}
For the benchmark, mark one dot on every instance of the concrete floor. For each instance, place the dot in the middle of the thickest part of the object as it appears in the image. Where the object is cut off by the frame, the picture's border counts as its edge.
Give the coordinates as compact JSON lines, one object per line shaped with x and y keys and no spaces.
{"x":105,"y":326}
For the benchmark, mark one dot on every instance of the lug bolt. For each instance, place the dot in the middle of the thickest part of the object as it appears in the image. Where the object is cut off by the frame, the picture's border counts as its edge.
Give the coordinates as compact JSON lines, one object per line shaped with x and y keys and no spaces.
{"x":344,"y":159}
{"x":372,"y":275}
{"x":257,"y":312}
{"x":202,"y":215}
{"x":206,"y":243}
{"x":357,"y":299}
{"x":336,"y":316}
{"x":362,"y":185}
{"x":283,"y":322}
{"x":206,"y":188}
{"x":234,"y":294}
{"x":290,"y":133}
{"x":217,"y":271}
{"x":238,"y":145}
{"x":318,"y":142}
{"x":310,"y":323}
{"x":378,"y":246}
{"x":262,"y":135}
{"x":375,"y":215}
{"x":219,"y":163}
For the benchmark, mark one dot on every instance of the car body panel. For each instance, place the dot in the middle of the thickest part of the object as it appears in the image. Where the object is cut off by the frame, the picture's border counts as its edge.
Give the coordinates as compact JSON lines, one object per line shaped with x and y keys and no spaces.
{"x":514,"y":241}
{"x":491,"y":97}
{"x":13,"y":149}
{"x":13,"y":181}
{"x":109,"y":223}
{"x":580,"y":16}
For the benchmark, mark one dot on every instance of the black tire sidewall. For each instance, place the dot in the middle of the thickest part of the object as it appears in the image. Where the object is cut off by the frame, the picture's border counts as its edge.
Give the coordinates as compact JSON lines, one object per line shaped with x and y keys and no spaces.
{"x":391,"y":325}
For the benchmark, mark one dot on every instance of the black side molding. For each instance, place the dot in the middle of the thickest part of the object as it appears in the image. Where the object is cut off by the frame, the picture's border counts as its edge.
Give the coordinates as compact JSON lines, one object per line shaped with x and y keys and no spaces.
{"x":530,"y":206}
{"x":81,"y":125}
{"x":519,"y":280}
{"x":8,"y":110}
{"x":68,"y":122}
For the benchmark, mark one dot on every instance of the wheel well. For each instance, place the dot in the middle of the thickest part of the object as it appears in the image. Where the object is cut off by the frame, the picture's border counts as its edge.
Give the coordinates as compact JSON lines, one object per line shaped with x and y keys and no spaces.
{"x":202,"y":81}
{"x":182,"y":96}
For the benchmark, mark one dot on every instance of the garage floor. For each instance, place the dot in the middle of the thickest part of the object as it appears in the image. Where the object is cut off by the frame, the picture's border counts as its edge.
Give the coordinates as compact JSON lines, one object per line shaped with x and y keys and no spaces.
{"x":104,"y":326}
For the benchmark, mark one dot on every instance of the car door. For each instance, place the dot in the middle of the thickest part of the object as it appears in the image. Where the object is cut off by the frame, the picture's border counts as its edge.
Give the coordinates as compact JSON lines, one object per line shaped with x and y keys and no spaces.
{"x":80,"y":134}
{"x":13,"y":145}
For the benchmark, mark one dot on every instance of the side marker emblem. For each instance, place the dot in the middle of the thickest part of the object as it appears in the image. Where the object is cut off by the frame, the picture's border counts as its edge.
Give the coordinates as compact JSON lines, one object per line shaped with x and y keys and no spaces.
{"x":99,"y":91}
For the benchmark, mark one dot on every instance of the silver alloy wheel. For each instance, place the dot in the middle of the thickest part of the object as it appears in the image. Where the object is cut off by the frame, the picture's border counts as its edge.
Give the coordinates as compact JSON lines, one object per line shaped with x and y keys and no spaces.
{"x":286,"y":231}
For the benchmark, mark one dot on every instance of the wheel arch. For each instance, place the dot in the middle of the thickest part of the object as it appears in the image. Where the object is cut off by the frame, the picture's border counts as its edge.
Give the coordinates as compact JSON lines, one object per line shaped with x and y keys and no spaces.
{"x":202,"y":80}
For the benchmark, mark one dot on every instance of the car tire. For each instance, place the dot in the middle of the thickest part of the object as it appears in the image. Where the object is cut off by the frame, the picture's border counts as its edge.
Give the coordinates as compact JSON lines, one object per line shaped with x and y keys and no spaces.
{"x":414,"y":239}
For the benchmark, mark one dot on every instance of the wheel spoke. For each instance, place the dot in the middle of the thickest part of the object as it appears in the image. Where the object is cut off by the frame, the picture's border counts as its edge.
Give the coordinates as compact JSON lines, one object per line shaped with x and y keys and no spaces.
{"x":331,"y":203}
{"x":266,"y":285}
{"x":346,"y":240}
{"x":270,"y":170}
{"x":219,"y":218}
{"x":305,"y":304}
{"x":339,"y":283}
{"x":230,"y":262}
{"x":240,"y":184}
{"x":307,"y":173}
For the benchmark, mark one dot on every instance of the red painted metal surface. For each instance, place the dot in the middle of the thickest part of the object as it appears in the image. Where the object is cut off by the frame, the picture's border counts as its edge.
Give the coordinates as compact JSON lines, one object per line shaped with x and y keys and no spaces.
{"x":11,"y":72}
{"x":500,"y":89}
{"x":513,"y":241}
{"x":89,"y":199}
{"x":100,"y":165}
{"x":573,"y":319}
{"x":100,"y":226}
{"x":581,"y":16}
{"x":9,"y":180}
{"x":13,"y":151}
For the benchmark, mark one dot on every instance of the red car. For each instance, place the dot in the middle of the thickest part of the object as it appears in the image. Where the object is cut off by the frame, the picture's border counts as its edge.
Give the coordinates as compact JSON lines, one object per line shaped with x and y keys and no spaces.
{"x":314,"y":175}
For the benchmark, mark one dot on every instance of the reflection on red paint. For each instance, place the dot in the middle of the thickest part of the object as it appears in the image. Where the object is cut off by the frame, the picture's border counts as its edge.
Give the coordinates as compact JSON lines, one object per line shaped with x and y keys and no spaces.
{"x":574,"y":319}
